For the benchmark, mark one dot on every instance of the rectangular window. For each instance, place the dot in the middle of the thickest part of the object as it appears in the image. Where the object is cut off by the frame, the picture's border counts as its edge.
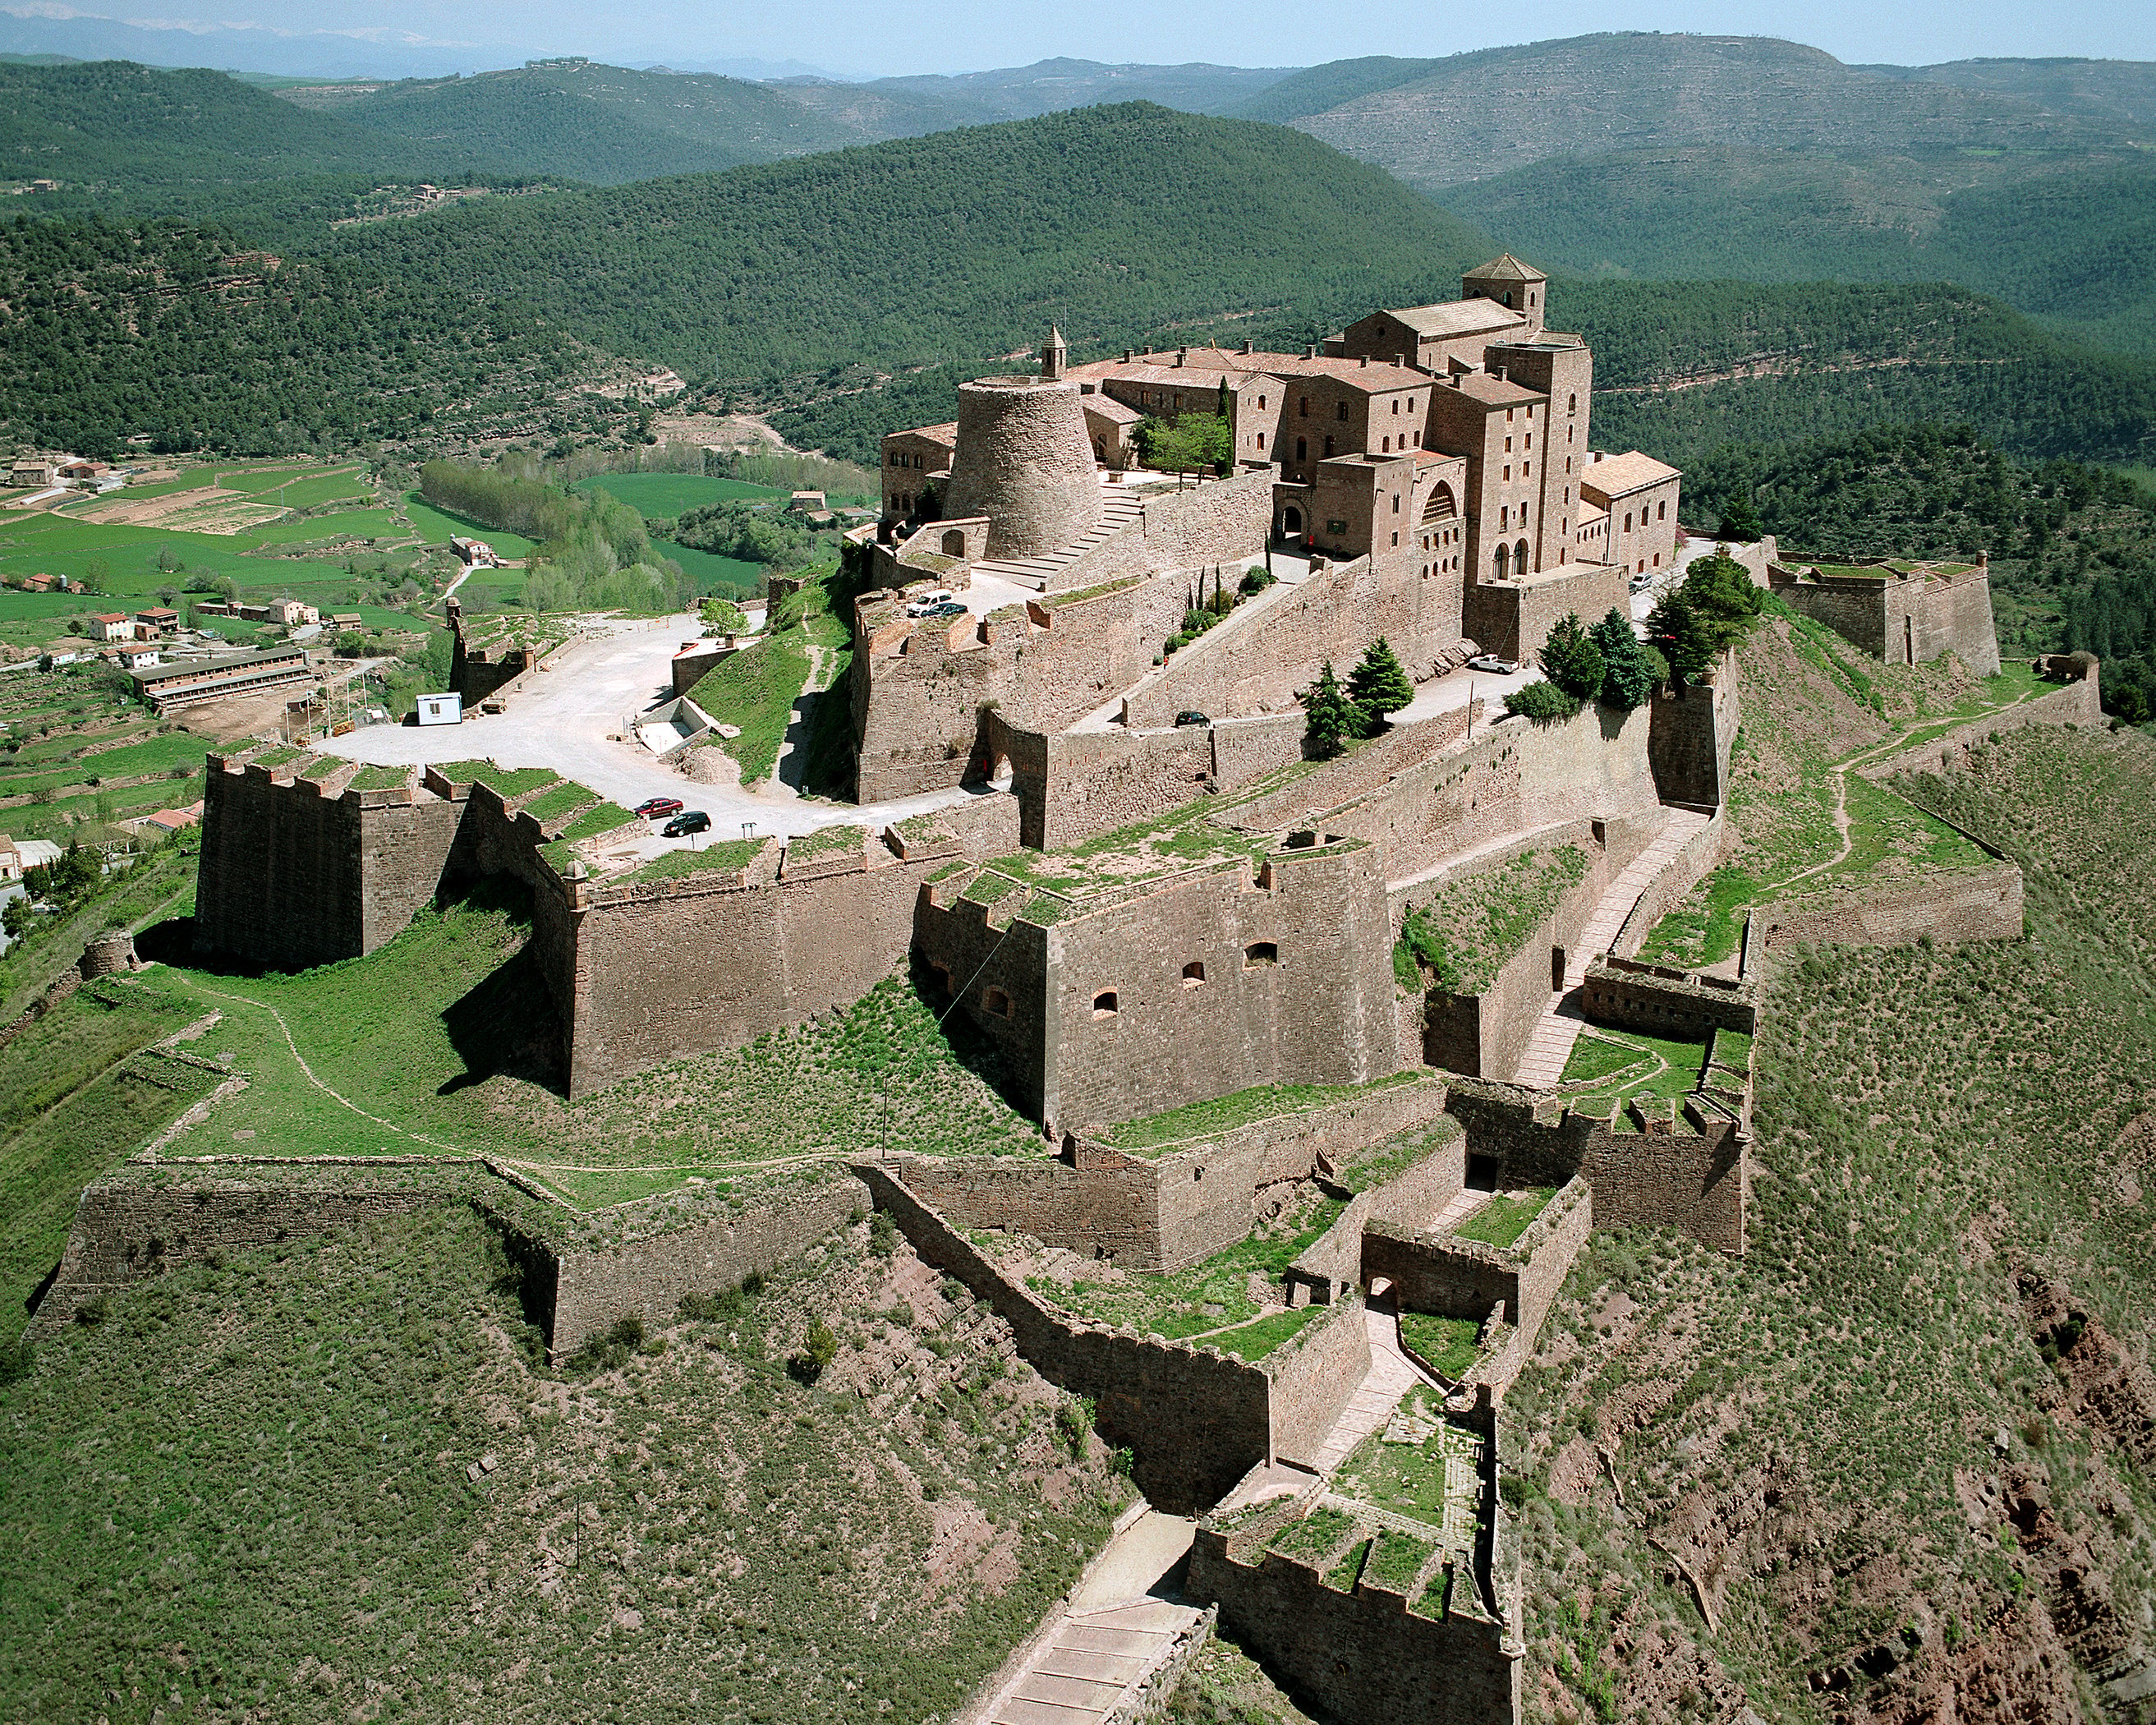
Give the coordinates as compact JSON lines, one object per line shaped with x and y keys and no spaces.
{"x":1336,"y":526}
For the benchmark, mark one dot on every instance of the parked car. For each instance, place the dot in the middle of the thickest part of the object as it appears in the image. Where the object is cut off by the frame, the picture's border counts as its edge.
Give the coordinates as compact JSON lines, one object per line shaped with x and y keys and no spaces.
{"x":1491,"y":663}
{"x":651,"y":807}
{"x":694,"y":820}
{"x":1642,"y":578}
{"x":924,"y":604}
{"x":949,"y":608}
{"x":1192,"y":717}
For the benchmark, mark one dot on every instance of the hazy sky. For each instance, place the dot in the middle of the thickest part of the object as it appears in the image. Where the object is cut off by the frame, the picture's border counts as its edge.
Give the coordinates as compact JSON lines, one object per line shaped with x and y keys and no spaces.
{"x":873,"y":37}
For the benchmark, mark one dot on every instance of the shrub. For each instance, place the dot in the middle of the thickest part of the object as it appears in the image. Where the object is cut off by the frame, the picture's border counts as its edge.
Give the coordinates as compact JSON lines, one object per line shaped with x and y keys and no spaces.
{"x":1256,"y":581}
{"x":1544,"y":703}
{"x":1074,"y":1424}
{"x":817,"y":1351}
{"x":883,"y":1234}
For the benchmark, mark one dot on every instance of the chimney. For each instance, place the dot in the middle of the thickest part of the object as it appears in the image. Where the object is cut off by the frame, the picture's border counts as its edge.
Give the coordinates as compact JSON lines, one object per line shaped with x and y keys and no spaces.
{"x":1248,"y":346}
{"x":1309,"y":352}
{"x":1500,"y":374}
{"x":1984,"y":563}
{"x":1128,"y":356}
{"x":1180,"y":354}
{"x":1365,"y":362}
{"x":1400,"y":360}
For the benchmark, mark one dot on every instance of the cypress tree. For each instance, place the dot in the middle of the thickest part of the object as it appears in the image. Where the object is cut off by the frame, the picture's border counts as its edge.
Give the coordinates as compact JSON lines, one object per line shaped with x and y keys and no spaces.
{"x":1627,"y":677}
{"x":1335,"y":721}
{"x":1571,"y":660}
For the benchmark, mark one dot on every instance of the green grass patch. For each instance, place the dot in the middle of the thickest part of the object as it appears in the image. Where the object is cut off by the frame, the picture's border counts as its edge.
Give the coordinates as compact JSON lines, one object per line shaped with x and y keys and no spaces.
{"x":1397,"y":1560}
{"x":1220,"y":1114}
{"x":1506,"y":1218}
{"x":381,"y":779}
{"x":1639,"y":1064}
{"x":1213,"y":1294}
{"x":1315,"y":1537}
{"x":1252,"y":1342}
{"x":438,"y":526}
{"x":1410,"y":1478}
{"x":601,"y":817}
{"x":1388,"y":1160}
{"x":671,"y":493}
{"x":720,"y":853}
{"x":1592,"y":1058}
{"x":731,"y":577}
{"x":508,"y":783}
{"x":1468,"y":931}
{"x":1341,"y":1577}
{"x":755,"y":689}
{"x":1447,"y":1344}
{"x":552,"y":805}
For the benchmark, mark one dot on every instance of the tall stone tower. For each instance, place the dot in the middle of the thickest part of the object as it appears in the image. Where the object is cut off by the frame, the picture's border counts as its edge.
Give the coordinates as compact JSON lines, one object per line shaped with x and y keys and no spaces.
{"x":1024,"y":461}
{"x":1519,"y":287}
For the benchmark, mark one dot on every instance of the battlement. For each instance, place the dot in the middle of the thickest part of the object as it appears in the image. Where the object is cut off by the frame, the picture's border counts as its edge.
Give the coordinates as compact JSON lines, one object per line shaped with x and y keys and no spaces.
{"x":1903,"y":611}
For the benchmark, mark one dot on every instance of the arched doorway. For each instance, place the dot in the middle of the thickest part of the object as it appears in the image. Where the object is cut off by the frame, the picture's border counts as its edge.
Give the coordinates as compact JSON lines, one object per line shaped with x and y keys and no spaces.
{"x":1290,"y":520}
{"x":1502,"y":561}
{"x":954,"y":543}
{"x":1520,"y":558}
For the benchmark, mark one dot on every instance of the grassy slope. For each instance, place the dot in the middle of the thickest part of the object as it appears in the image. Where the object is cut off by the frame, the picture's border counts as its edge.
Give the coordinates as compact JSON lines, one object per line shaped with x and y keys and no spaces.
{"x":247,"y":1488}
{"x":1810,"y":1429}
{"x":435,"y":1036}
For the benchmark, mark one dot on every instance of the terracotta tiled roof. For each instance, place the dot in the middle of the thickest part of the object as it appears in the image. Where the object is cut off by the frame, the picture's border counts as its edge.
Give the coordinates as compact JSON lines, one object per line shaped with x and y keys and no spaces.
{"x":1493,"y":392}
{"x":1457,"y":317}
{"x":1106,"y":407}
{"x":935,"y":434}
{"x":1613,"y":475}
{"x":1505,"y":267}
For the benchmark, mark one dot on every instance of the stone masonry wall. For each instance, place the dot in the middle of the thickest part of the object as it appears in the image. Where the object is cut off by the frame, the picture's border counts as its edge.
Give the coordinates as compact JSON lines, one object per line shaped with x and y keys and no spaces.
{"x":1514,"y":619}
{"x":127,"y":1230}
{"x":595,"y":1288}
{"x":1662,"y":1001}
{"x":1165,"y":1211}
{"x":1217,"y":521}
{"x":1196,"y":1421}
{"x":1361,"y":1658}
{"x":1974,"y":904}
{"x":1331,"y":1265}
{"x":1695,"y":1181}
{"x":1689,"y":739}
{"x":2079,"y":702}
{"x":1700,"y":854}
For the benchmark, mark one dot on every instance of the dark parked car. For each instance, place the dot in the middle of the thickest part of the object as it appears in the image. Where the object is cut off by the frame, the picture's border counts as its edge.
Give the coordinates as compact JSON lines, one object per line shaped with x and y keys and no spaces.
{"x":1192,"y":717}
{"x":694,"y":821}
{"x":651,"y":807}
{"x":950,"y":608}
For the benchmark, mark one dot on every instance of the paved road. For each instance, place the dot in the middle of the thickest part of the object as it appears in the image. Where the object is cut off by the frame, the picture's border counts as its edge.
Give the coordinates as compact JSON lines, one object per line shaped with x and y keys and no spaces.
{"x":563,"y":716}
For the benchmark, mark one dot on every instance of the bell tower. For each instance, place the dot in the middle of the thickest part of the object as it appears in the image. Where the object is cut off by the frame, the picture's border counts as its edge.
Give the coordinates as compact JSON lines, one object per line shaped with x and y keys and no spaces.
{"x":1054,"y":356}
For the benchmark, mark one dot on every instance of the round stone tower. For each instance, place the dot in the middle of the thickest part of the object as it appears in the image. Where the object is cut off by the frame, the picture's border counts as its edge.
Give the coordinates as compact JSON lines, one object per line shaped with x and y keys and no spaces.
{"x":1024,"y":462}
{"x":110,"y":952}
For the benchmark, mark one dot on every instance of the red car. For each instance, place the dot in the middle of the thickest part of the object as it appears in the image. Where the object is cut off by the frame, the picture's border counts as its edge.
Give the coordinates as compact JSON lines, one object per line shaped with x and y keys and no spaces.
{"x":653,"y":807}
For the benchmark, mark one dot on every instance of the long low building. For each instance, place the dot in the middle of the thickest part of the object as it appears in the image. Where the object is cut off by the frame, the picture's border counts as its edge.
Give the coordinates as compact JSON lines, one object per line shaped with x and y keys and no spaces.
{"x":187,"y":682}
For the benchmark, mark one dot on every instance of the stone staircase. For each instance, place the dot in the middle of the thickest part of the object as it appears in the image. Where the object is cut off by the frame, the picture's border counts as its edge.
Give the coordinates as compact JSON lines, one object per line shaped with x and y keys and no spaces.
{"x":1118,"y":510}
{"x":1550,"y":1048}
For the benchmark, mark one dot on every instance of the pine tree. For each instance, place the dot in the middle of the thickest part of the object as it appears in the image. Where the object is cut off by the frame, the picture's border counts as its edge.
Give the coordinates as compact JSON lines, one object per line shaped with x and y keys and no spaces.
{"x":1335,"y":721}
{"x":1627,"y":677}
{"x":1571,"y":660}
{"x":1740,"y":521}
{"x":1676,"y":628}
{"x":1379,"y":685}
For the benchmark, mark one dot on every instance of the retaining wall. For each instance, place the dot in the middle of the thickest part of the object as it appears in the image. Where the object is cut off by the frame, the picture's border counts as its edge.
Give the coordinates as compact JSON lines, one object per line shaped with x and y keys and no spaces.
{"x":1681,"y":1005}
{"x":1974,"y":904}
{"x":1163,"y":1212}
{"x":1196,"y":1422}
{"x":1696,"y":1180}
{"x":1331,"y":1267}
{"x":1360,"y":1658}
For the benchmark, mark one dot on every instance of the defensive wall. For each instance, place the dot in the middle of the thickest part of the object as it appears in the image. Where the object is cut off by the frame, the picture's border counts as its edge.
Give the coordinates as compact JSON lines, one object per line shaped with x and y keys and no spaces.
{"x":1905,"y":617}
{"x":1447,"y":1276}
{"x":1686,"y":1169}
{"x":1165,"y":1209}
{"x":1215,"y":521}
{"x":2079,"y":700}
{"x":1982,"y":904}
{"x":1221,"y":976}
{"x":1681,"y":1005}
{"x":1486,"y":1032}
{"x":1330,"y":1268}
{"x":1195,"y":1420}
{"x":1691,"y":734}
{"x":1367,"y":1656}
{"x":1663,"y":894}
{"x":1513,"y":618}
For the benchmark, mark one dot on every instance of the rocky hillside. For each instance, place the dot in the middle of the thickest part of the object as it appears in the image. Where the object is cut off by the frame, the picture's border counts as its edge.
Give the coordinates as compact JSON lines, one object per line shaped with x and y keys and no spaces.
{"x":1900,"y":1463}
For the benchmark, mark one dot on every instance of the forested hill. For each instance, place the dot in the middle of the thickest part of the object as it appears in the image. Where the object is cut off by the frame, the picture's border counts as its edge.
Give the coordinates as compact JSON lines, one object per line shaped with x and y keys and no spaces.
{"x":601,"y":124}
{"x":1120,"y":223}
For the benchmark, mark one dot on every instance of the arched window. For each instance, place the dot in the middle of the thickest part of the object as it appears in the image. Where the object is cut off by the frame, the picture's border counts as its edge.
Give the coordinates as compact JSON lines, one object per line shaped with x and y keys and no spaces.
{"x":1193,"y":973}
{"x":1303,"y":410}
{"x":1387,"y":447}
{"x":1661,"y":512}
{"x":954,"y":543}
{"x":1261,"y":439}
{"x":997,"y":1002}
{"x":1262,"y":404}
{"x":1259,"y":954}
{"x":1341,"y":411}
{"x":1508,"y":297}
{"x":1627,"y":520}
{"x":1328,"y":446}
{"x":1104,"y":1004}
{"x":1503,"y":561}
{"x":1302,"y":449}
{"x":1520,"y":558}
{"x":1572,"y":404}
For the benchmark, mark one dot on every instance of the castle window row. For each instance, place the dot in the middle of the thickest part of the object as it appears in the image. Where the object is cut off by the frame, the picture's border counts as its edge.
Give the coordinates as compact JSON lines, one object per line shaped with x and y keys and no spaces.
{"x":1259,"y":955}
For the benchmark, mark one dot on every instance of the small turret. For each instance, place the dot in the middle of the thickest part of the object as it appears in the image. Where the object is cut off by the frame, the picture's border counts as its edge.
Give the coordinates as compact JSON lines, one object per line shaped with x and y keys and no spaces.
{"x":1054,"y":356}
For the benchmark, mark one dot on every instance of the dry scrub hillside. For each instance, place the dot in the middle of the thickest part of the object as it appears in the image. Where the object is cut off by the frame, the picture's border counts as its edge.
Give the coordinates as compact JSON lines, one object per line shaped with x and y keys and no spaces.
{"x":330,"y":1483}
{"x":1900,"y":1463}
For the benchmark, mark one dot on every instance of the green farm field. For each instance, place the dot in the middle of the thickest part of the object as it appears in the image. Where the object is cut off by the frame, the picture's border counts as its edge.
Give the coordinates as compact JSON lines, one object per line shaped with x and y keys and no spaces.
{"x":668,"y":494}
{"x":726,"y":577}
{"x":438,"y":526}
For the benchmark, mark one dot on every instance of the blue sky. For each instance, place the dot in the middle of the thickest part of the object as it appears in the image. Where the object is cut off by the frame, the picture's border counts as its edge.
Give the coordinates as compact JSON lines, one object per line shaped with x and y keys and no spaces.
{"x":877,"y":37}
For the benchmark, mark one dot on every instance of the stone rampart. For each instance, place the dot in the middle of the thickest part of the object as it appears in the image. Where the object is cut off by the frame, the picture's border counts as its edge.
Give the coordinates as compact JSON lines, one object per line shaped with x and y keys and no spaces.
{"x":1450,"y":1278}
{"x":1166,"y":1209}
{"x":1513,"y":619}
{"x":1691,"y":1174}
{"x":2078,"y":702}
{"x":1681,"y":1005}
{"x":1684,"y":870}
{"x":1331,"y":1267}
{"x":587,"y":1289}
{"x":1196,"y":1421}
{"x":132,"y":1227}
{"x":1691,"y":735}
{"x":1971,"y":904}
{"x":1217,"y":521}
{"x":1362,"y":1658}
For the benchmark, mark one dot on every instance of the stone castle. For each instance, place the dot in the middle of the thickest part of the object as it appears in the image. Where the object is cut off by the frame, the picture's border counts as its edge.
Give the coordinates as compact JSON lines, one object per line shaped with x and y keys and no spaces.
{"x":1139,"y":892}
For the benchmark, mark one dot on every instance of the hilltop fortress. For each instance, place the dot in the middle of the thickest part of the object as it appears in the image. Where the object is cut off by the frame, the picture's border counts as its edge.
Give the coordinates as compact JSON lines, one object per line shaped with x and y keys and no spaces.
{"x":1223,"y":977}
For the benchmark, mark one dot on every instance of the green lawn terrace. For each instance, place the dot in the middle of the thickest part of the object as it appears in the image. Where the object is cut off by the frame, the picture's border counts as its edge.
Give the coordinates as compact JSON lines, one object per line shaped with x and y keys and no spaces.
{"x":1816,"y":570}
{"x":77,"y":750}
{"x":1411,"y":1513}
{"x":1633,"y":1082}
